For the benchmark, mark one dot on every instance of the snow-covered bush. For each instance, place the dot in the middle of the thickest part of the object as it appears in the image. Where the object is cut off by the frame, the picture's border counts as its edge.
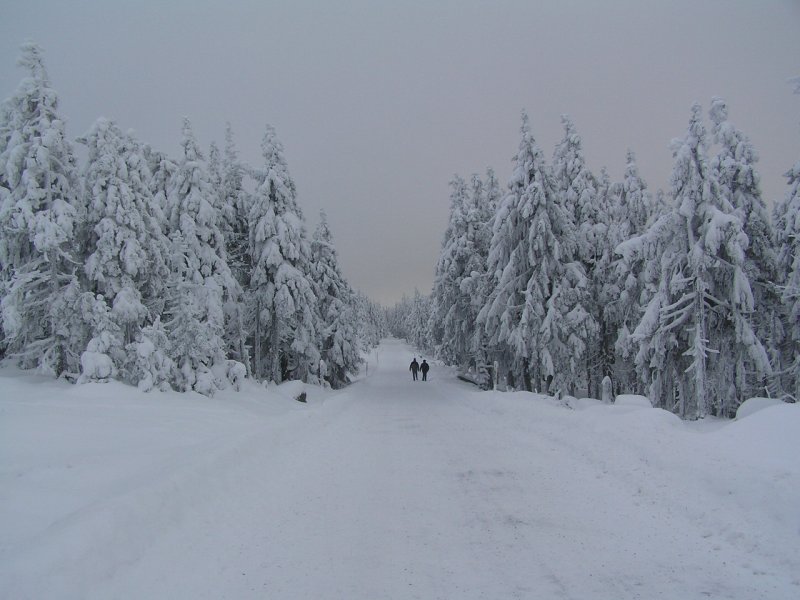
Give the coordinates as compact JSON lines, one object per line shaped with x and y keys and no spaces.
{"x":96,"y":364}
{"x":149,"y":365}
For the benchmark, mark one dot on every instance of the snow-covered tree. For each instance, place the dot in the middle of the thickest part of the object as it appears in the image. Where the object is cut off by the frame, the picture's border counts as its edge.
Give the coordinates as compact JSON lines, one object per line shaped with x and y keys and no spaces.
{"x":162,"y":169}
{"x":40,"y":224}
{"x":787,"y":225}
{"x":340,"y":347}
{"x":578,"y":193}
{"x":417,"y":323}
{"x":475,"y":285}
{"x":230,"y":198}
{"x":695,"y":331}
{"x":127,"y":260}
{"x":734,"y":168}
{"x":201,"y":281}
{"x":530,"y":318}
{"x":627,"y":295}
{"x":236,"y":197}
{"x":372,"y":321}
{"x":599,"y":234}
{"x":285,"y":323}
{"x":510,"y":263}
{"x":571,"y":177}
{"x":149,"y":361}
{"x":634,"y":206}
{"x":450,"y":310}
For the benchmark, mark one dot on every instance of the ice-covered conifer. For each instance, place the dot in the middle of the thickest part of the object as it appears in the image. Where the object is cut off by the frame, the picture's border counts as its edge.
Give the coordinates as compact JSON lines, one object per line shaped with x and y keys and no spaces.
{"x":734,"y":167}
{"x":340,"y":347}
{"x":576,"y":189}
{"x":631,"y":208}
{"x":284,"y":304}
{"x":162,"y":168}
{"x":371,"y":320}
{"x":236,"y":197}
{"x":449,"y":306}
{"x":694,"y":331}
{"x":475,"y":285}
{"x":127,"y":251}
{"x":532,"y":241}
{"x":569,"y":170}
{"x":787,"y":225}
{"x":599,"y":233}
{"x":40,"y":221}
{"x":634,"y":205}
{"x":225,"y":176}
{"x":200,"y":273}
{"x":417,"y":323}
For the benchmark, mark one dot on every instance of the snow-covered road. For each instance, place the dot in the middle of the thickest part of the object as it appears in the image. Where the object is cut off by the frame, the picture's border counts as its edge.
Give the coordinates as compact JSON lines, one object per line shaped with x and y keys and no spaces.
{"x":389,"y":489}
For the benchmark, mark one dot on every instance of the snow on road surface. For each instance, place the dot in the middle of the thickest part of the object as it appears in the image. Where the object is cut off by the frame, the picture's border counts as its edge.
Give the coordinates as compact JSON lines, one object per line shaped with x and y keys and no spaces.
{"x":388,"y":489}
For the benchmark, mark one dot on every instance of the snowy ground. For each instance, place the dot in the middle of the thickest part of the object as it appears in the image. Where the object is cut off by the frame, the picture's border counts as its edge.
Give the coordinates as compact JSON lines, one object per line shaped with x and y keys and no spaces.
{"x":389,"y":489}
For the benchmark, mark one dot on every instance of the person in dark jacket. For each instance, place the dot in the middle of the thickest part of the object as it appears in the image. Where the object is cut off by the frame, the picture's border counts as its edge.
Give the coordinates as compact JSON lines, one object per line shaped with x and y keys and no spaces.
{"x":424,"y":368}
{"x":414,"y":368}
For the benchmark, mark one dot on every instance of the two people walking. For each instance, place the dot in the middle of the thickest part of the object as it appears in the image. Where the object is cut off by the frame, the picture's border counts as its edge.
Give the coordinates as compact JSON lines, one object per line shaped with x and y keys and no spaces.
{"x":415,"y":366}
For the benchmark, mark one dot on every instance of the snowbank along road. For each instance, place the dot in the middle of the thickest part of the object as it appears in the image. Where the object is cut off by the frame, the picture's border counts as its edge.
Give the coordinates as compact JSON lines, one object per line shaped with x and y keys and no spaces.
{"x":388,"y":489}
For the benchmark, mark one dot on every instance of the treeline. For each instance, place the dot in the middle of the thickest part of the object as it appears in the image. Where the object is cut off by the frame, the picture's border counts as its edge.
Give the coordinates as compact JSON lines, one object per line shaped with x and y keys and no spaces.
{"x":185,"y":272}
{"x":691,"y":297}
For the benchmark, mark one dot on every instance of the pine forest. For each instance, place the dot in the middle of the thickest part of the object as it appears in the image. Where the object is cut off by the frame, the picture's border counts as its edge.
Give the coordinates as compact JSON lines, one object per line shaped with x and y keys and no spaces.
{"x":193,"y":272}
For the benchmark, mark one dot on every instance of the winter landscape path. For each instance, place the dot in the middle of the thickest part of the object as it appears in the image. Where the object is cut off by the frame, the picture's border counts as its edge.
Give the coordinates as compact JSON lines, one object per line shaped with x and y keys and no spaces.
{"x":388,"y":489}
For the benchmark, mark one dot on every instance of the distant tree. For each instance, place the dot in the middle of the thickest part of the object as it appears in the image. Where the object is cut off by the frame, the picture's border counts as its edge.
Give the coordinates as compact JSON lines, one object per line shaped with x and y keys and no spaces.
{"x":340,"y":343}
{"x":416,"y":325}
{"x":236,"y":197}
{"x":162,"y":169}
{"x":372,"y":321}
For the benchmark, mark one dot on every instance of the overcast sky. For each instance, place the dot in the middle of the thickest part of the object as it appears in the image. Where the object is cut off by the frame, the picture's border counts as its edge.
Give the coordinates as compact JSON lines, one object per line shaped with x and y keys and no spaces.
{"x":379,"y":103}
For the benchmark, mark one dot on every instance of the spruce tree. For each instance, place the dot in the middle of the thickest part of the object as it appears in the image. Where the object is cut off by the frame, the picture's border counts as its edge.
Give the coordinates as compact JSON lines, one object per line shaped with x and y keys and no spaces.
{"x":126,"y":263}
{"x":340,"y":347}
{"x":417,"y":323}
{"x":734,"y":167}
{"x":631,"y":209}
{"x":285,"y":323}
{"x":578,"y":193}
{"x":695,"y":331}
{"x":475,"y":283}
{"x":529,"y":317}
{"x":225,"y":174}
{"x":201,"y":281}
{"x":450,"y":306}
{"x":237,"y":202}
{"x":787,"y":222}
{"x":41,"y":224}
{"x":509,"y":262}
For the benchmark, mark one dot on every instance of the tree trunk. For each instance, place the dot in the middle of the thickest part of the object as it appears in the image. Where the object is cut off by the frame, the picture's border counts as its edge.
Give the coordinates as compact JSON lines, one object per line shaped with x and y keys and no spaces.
{"x":274,"y":350}
{"x":257,"y":355}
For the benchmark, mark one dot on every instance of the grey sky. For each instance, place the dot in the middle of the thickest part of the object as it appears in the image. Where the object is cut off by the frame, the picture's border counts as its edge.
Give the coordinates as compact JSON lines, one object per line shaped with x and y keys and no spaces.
{"x":379,"y":103}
